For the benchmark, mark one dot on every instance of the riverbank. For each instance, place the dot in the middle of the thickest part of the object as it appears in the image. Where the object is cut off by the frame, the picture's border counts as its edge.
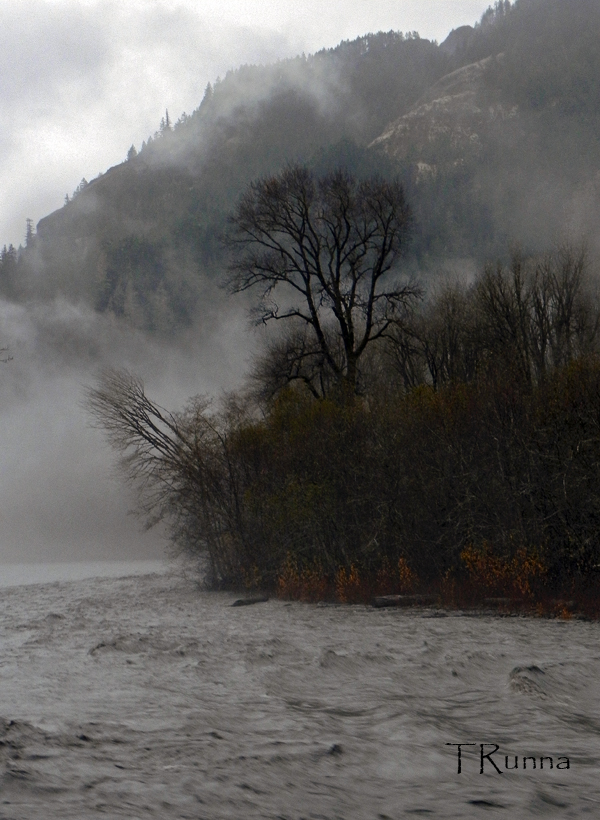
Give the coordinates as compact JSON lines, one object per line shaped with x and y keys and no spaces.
{"x":496,"y":587}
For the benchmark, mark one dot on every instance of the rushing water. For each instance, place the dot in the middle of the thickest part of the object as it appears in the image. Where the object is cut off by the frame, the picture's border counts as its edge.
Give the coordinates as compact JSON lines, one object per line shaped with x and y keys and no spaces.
{"x":144,"y":697}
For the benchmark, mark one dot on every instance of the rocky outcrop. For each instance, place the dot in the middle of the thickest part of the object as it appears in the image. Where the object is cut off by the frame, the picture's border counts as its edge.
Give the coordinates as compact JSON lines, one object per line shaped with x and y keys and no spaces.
{"x":448,"y":121}
{"x":457,"y":39}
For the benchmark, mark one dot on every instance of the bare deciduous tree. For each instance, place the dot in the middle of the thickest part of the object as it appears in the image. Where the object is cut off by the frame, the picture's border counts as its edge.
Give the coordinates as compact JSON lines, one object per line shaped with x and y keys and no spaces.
{"x":526,"y":319}
{"x":539,"y":314}
{"x":178,"y":463}
{"x":331,"y":247}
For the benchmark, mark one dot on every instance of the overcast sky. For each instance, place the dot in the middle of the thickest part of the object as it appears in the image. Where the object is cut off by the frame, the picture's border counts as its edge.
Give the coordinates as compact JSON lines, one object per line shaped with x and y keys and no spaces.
{"x":81,"y":80}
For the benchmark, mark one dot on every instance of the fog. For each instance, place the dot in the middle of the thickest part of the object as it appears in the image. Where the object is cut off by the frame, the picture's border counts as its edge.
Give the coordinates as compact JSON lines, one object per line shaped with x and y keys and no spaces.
{"x":61,"y":495}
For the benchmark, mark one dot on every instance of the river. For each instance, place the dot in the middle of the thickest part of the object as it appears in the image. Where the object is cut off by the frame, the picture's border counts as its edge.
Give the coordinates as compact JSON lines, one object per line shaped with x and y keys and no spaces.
{"x":147,"y":697}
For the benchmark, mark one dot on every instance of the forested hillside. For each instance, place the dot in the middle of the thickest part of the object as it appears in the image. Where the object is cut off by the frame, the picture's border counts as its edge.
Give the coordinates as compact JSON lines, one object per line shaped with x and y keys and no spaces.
{"x":494,"y":133}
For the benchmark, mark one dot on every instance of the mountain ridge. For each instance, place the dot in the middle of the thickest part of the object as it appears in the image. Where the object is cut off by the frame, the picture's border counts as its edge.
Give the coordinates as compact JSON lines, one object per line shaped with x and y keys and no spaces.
{"x":494,"y":133}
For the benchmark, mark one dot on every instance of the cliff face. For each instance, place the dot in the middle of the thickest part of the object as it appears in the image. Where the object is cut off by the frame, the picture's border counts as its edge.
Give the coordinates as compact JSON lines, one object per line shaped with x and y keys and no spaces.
{"x":506,"y":149}
{"x":457,"y":40}
{"x":449,"y":123}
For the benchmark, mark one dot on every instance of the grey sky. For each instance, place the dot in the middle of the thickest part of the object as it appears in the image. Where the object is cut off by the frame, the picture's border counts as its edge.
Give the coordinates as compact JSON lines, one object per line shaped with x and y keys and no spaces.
{"x":81,"y":80}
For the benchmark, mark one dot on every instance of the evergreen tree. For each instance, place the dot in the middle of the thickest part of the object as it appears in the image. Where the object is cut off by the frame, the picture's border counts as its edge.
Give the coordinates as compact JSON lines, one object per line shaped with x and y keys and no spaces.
{"x":29,"y":233}
{"x":81,"y":187}
{"x":8,"y":268}
{"x":165,"y":124}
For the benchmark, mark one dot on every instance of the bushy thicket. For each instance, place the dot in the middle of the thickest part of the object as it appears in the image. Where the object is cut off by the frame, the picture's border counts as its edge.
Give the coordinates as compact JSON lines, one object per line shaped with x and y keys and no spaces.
{"x":478,"y":429}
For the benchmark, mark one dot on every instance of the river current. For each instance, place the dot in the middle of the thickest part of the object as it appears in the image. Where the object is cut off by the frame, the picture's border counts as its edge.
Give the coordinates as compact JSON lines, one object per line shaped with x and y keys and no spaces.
{"x":147,"y":697}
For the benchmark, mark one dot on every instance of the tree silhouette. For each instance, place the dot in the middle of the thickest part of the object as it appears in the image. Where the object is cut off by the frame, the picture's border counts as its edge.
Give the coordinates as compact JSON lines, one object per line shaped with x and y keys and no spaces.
{"x":331,"y":246}
{"x":29,"y":232}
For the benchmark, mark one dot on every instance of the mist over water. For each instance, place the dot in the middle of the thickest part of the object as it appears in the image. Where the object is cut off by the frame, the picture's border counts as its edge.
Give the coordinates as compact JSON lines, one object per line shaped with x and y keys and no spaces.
{"x":12,"y":575}
{"x":61,"y":496}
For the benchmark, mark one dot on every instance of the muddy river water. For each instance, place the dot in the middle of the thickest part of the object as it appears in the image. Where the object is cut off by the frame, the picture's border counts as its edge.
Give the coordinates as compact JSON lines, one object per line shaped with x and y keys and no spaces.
{"x":146,"y":697}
